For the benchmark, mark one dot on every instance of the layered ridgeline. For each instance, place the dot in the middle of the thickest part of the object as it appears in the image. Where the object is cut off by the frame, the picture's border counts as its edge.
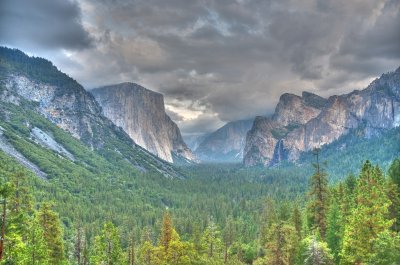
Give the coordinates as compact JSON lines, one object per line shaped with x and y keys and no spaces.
{"x":225,"y":144}
{"x":35,"y":85}
{"x":302,"y":123}
{"x":141,"y":114}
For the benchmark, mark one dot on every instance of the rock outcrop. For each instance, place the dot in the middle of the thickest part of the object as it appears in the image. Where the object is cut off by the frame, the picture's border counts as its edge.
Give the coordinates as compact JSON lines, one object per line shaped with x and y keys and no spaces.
{"x":141,"y":114}
{"x":303,"y":123}
{"x":37,"y":85}
{"x":225,"y":144}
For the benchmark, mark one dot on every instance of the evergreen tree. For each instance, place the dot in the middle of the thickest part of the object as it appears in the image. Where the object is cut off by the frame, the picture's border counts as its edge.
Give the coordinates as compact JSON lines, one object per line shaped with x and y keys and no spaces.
{"x":146,"y":253}
{"x":386,"y":249}
{"x":211,"y":239}
{"x":297,"y":221}
{"x":368,"y":218}
{"x":5,"y":192}
{"x":281,"y":245}
{"x":52,"y":233}
{"x":318,"y":205}
{"x":228,"y":236}
{"x":80,"y":243}
{"x":334,"y":231}
{"x":394,"y":172}
{"x":107,"y":247}
{"x":166,"y":232}
{"x":317,"y":252}
{"x":394,"y":192}
{"x":37,"y":251}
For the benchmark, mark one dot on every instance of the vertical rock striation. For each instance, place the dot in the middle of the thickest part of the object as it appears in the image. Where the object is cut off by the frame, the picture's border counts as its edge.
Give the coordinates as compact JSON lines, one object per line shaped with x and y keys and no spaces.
{"x":141,"y":114}
{"x":303,"y":123}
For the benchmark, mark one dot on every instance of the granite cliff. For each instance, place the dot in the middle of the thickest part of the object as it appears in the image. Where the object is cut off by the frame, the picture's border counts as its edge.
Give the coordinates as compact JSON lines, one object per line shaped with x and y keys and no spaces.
{"x":225,"y":144}
{"x":35,"y":84}
{"x":303,"y":123}
{"x":141,"y":114}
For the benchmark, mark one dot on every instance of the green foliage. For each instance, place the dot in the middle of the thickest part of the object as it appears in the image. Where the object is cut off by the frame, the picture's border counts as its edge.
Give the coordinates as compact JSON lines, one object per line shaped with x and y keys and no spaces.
{"x":394,"y":172}
{"x":318,"y":203}
{"x":386,"y":249}
{"x":107,"y":247}
{"x":334,"y":233}
{"x":368,"y":218}
{"x":317,"y":252}
{"x":52,"y":233}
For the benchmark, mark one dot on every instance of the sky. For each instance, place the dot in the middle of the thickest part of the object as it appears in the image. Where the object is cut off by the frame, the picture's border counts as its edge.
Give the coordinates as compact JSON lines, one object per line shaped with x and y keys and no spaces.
{"x":215,"y":61}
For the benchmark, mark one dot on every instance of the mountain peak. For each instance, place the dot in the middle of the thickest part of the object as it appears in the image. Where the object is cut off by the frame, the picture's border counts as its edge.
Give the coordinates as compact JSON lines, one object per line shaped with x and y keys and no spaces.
{"x":313,"y":100}
{"x":301,"y":125}
{"x":141,"y":114}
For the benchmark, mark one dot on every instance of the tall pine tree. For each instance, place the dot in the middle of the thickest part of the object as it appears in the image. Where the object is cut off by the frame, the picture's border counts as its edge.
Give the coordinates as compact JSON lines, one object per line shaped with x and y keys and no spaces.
{"x":319,"y":193}
{"x":368,"y":218}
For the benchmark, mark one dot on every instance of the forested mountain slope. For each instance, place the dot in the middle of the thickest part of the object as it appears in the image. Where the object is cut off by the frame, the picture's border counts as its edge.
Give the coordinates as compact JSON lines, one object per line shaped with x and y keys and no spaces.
{"x":30,"y":86}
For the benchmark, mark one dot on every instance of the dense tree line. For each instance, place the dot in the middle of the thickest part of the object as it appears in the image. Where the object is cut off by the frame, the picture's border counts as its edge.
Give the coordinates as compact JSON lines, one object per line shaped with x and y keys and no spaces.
{"x":351,"y":222}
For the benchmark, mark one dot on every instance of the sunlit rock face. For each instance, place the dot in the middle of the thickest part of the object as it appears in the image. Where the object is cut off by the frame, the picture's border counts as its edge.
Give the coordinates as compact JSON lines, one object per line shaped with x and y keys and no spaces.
{"x":141,"y":114}
{"x":303,"y":123}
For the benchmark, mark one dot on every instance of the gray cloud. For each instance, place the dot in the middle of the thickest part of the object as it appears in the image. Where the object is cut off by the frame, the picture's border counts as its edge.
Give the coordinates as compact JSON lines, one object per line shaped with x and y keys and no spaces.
{"x":42,"y":24}
{"x":221,"y":60}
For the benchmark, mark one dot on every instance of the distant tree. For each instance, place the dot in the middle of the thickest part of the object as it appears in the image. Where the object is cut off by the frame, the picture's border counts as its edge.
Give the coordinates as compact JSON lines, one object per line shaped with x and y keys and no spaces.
{"x":281,"y":245}
{"x":37,"y":252}
{"x":334,"y":231}
{"x":317,"y":252}
{"x":166,"y":232}
{"x":394,"y":172}
{"x":228,"y":236}
{"x":297,"y":221}
{"x":52,"y":233}
{"x":107,"y":247}
{"x":146,"y":252}
{"x":319,"y":197}
{"x":5,"y":193}
{"x":211,"y":239}
{"x":132,"y":250}
{"x":80,"y":243}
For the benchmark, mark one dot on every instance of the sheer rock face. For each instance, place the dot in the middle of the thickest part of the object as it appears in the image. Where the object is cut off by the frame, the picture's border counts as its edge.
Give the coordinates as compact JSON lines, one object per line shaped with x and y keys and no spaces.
{"x":303,"y":123}
{"x":225,"y":144}
{"x":141,"y":114}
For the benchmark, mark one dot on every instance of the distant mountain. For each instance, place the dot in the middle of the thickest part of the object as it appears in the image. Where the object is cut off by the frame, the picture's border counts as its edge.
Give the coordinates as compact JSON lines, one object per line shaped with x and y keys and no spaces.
{"x":302,"y":123}
{"x":141,"y":114}
{"x":225,"y":144}
{"x":193,"y":141}
{"x":35,"y":85}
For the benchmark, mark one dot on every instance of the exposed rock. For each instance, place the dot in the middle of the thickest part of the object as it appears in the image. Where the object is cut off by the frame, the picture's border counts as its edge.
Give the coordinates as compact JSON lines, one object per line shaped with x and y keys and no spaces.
{"x":35,"y":84}
{"x":71,"y":108}
{"x":141,"y":114}
{"x":6,"y":147}
{"x":225,"y":144}
{"x":193,"y":141}
{"x":303,"y":123}
{"x":45,"y":140}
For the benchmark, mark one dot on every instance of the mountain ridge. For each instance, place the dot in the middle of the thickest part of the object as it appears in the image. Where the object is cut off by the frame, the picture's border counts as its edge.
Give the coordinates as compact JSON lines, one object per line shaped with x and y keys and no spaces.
{"x":300,"y":124}
{"x":36,"y":85}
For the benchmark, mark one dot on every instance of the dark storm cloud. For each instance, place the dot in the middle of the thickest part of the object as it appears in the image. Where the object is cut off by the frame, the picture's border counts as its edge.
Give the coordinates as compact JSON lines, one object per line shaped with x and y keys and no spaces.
{"x":222,"y":60}
{"x":42,"y":24}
